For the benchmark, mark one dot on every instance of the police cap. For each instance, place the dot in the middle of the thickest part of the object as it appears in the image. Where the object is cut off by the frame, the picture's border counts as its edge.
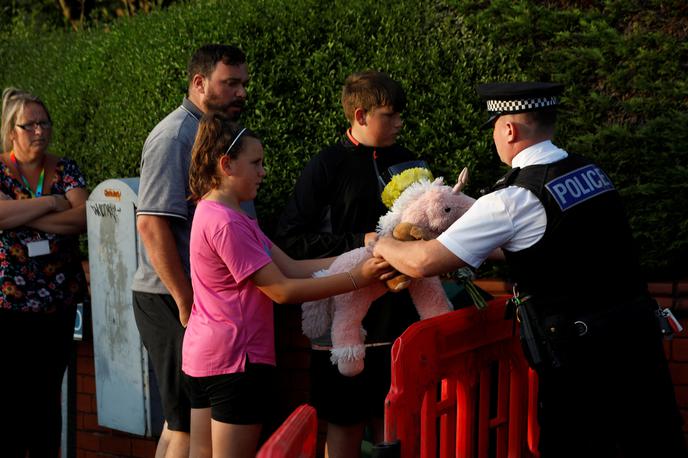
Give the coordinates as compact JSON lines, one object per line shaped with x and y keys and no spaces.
{"x":512,"y":98}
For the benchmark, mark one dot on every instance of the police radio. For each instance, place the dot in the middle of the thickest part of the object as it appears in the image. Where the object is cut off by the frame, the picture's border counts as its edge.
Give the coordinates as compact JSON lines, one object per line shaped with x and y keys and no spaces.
{"x":668,"y":323}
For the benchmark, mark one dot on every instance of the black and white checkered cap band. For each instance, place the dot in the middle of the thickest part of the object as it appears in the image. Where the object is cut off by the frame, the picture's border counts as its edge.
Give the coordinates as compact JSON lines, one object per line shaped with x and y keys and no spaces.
{"x":519,"y":106}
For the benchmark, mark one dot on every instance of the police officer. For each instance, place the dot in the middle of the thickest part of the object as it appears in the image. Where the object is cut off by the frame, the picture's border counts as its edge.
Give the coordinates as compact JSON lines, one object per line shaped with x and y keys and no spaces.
{"x":592,"y":333}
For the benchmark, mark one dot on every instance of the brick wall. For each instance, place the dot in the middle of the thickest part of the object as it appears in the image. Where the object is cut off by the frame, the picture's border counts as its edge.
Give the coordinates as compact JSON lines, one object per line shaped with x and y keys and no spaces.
{"x":93,"y":440}
{"x":292,"y":358}
{"x":675,"y":295}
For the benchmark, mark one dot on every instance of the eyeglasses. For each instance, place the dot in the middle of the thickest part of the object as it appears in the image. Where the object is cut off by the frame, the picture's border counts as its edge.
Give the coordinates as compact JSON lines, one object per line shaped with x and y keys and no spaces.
{"x":33,"y":126}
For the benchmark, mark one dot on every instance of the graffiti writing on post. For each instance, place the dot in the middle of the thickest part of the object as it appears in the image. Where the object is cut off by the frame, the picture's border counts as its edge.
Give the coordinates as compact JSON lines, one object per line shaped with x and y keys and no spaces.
{"x":106,"y":210}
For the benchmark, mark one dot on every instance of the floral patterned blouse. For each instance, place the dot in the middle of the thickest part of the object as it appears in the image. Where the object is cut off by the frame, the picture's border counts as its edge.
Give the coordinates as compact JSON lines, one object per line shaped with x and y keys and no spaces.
{"x":49,"y":283}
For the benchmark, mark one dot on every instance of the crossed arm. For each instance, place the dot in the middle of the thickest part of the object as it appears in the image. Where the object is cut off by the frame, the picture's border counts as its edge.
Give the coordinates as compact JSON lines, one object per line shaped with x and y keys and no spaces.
{"x":58,"y":214}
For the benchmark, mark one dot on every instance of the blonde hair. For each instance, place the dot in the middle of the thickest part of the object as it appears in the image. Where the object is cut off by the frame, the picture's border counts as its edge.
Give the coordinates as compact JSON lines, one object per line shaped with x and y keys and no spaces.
{"x":13,"y":102}
{"x":216,"y":133}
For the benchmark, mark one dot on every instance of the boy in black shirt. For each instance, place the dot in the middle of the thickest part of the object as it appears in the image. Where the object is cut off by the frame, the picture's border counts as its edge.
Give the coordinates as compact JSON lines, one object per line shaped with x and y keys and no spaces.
{"x":334,"y":209}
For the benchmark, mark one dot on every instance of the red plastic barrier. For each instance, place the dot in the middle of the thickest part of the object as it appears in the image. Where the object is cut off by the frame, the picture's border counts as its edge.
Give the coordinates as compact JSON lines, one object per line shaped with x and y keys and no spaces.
{"x":295,"y":438}
{"x":461,"y":387}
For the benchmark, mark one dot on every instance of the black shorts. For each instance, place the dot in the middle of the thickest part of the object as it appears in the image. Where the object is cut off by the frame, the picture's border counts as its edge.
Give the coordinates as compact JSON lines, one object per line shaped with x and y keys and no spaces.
{"x":350,"y":400}
{"x":157,"y":318}
{"x":242,"y":398}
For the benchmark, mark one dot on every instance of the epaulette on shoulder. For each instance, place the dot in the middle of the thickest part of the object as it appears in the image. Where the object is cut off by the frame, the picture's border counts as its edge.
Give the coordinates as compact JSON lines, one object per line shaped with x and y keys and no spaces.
{"x":503,"y":182}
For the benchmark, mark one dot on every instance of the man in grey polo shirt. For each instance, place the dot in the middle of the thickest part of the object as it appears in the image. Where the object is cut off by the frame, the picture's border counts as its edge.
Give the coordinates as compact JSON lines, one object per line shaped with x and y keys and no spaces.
{"x":217,"y":76}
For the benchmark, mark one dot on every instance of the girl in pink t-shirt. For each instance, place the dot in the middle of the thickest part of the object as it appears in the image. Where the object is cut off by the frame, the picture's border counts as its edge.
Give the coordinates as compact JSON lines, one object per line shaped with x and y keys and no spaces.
{"x":236,"y":272}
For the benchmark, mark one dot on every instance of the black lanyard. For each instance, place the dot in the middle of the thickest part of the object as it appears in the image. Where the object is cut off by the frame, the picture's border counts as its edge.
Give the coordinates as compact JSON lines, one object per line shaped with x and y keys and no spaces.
{"x":380,"y":181}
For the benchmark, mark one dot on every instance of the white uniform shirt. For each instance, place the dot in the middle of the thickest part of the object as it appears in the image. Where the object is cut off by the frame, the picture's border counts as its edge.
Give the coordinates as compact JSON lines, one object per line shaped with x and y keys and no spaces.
{"x":512,"y":218}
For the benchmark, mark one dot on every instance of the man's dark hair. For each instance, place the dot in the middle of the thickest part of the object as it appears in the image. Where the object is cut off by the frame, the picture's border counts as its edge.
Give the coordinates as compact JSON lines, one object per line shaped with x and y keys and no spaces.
{"x":206,"y":58}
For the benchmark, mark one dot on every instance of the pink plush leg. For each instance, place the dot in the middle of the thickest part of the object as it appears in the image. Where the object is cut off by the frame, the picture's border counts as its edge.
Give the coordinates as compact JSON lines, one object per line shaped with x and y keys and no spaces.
{"x":429,"y":297}
{"x":348,"y":350}
{"x":316,"y":317}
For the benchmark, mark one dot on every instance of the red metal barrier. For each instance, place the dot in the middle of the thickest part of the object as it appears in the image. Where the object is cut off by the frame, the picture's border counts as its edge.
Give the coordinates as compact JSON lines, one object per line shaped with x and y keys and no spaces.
{"x":295,"y":438}
{"x":461,"y":388}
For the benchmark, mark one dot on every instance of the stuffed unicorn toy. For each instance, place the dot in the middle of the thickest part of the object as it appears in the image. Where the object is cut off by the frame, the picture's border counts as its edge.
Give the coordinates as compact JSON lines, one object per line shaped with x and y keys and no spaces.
{"x":425,"y":206}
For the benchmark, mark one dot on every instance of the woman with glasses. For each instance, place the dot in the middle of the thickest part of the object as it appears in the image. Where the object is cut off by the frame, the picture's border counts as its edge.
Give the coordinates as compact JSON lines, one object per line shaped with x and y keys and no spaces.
{"x":42,"y":211}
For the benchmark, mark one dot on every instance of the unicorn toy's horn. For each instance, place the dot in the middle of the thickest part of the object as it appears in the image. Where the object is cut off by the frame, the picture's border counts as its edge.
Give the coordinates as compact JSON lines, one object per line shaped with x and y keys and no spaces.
{"x":462,"y":181}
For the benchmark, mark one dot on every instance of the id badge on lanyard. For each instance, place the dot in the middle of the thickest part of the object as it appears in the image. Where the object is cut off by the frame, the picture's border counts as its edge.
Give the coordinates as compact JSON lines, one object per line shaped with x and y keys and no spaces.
{"x":38,"y":248}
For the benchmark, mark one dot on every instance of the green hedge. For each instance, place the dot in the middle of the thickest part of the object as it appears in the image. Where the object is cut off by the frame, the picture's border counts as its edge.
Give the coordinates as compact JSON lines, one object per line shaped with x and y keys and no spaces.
{"x":623,"y":64}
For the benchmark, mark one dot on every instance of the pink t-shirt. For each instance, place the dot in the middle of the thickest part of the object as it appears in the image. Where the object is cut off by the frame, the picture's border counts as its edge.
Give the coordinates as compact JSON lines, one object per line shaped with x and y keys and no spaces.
{"x":231,"y":318}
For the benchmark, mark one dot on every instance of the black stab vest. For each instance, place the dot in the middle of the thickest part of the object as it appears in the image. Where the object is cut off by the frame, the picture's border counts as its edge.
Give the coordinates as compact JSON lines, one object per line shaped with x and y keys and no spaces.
{"x":586,"y":254}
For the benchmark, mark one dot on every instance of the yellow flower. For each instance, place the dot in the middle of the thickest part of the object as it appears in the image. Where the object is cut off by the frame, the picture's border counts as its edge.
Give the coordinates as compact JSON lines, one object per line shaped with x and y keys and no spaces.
{"x":401,"y":181}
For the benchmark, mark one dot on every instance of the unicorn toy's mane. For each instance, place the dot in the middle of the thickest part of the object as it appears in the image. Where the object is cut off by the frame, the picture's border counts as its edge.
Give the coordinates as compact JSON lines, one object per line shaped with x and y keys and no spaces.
{"x":389,"y":220}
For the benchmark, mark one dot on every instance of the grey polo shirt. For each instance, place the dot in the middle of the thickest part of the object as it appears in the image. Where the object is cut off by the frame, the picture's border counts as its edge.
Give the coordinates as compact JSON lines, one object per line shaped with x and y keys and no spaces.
{"x":164,"y":188}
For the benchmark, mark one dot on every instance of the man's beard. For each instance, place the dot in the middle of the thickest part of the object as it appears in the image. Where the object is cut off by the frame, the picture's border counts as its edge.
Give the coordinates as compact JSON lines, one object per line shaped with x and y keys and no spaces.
{"x":211,"y":103}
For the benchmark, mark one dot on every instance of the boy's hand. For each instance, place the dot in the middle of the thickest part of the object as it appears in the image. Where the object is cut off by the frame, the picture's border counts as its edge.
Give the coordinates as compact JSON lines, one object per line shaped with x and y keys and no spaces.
{"x":381,"y":244}
{"x":369,"y":271}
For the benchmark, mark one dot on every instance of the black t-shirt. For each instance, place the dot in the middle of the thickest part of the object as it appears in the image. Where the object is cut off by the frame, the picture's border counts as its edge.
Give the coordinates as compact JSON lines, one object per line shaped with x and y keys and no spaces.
{"x":336,"y":201}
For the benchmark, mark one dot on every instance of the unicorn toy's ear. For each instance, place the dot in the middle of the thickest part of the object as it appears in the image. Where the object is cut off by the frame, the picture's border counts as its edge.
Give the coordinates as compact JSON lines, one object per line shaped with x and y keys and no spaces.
{"x":462,"y":181}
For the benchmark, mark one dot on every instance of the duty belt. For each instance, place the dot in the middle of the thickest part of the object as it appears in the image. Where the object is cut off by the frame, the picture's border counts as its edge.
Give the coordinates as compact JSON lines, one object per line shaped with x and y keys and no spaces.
{"x":546,"y":336}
